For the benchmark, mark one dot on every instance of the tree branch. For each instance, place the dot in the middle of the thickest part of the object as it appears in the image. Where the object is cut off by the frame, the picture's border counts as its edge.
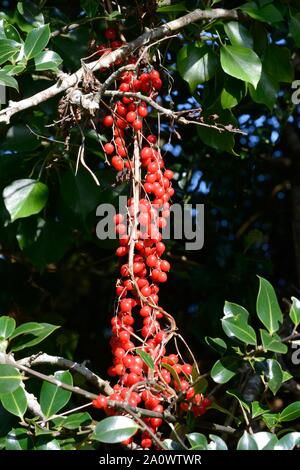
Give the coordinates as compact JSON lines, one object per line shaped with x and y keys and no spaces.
{"x":149,"y":37}
{"x":90,"y":376}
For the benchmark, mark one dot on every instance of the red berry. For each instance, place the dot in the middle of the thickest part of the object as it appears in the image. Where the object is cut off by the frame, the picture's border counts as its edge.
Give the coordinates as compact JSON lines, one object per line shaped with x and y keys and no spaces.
{"x":117,"y":163}
{"x":108,"y":121}
{"x":131,"y":116}
{"x":146,"y":443}
{"x":109,"y":148}
{"x":142,"y":110}
{"x":110,"y":34}
{"x":100,"y":402}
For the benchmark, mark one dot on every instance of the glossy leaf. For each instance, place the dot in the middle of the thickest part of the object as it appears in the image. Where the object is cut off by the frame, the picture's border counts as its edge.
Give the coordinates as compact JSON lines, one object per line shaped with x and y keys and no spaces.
{"x":9,"y":49}
{"x":54,"y":398}
{"x":196,"y":65}
{"x":242,"y":63}
{"x":238,"y":34}
{"x":47,"y":60}
{"x":25,"y":197}
{"x":288,"y":442}
{"x":7,"y":80}
{"x":272,"y":342}
{"x":7,"y":327}
{"x":277,"y":63}
{"x":10,"y":378}
{"x":267,"y":13}
{"x":216,"y":443}
{"x":76,"y":420}
{"x":265,"y":440}
{"x":114,"y":429}
{"x":217,"y":344}
{"x":17,"y":439}
{"x":232,"y":93}
{"x":235,"y":324}
{"x":257,"y":409}
{"x":274,"y":375}
{"x":224,"y":369}
{"x":146,"y":358}
{"x":295,"y":311}
{"x":247,"y":442}
{"x":31,"y":337}
{"x":267,"y":306}
{"x":15,"y":402}
{"x":36,"y":40}
{"x":291,"y":412}
{"x":197,"y":441}
{"x":240,"y":399}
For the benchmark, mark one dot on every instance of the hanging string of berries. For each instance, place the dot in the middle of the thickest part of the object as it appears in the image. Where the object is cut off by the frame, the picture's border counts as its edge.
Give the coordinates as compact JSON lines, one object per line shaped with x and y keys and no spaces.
{"x":142,"y":331}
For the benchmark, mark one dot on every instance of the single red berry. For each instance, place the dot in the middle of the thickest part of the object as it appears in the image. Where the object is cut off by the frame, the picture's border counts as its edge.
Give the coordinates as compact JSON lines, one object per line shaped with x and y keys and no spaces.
{"x":108,"y":121}
{"x":110,"y":34}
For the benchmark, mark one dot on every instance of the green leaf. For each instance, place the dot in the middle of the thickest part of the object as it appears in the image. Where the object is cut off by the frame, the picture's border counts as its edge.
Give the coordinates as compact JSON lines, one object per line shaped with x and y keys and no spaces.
{"x":278,"y":64}
{"x":15,"y":402}
{"x":196,"y":65}
{"x":36,"y":40}
{"x":266,"y":91}
{"x":46,"y":443}
{"x":235,"y":324}
{"x":47,"y":60}
{"x":274,"y":375}
{"x":272,"y":342}
{"x":224,"y":369}
{"x":31,"y":337}
{"x":217,"y":344}
{"x":9,"y":49}
{"x":247,"y":442}
{"x":221,"y":141}
{"x":265,"y":440}
{"x":267,"y":13}
{"x":172,"y":372}
{"x":7,"y":327}
{"x":216,"y":443}
{"x":25,"y":197}
{"x":54,"y":398}
{"x":267,"y":306}
{"x":242,"y":63}
{"x":295,"y":312}
{"x":20,"y":139}
{"x":270,"y":420}
{"x":172,"y":445}
{"x":146,"y":358}
{"x":295,"y":28}
{"x":10,"y":378}
{"x":197,"y":441}
{"x":232,"y":93}
{"x":239,"y":398}
{"x":73,"y":421}
{"x":291,"y":412}
{"x":257,"y":409}
{"x":13,"y":69}
{"x":17,"y":439}
{"x":114,"y":429}
{"x":238,"y":34}
{"x":90,"y":6}
{"x":288,"y":442}
{"x":176,"y":8}
{"x":7,"y":80}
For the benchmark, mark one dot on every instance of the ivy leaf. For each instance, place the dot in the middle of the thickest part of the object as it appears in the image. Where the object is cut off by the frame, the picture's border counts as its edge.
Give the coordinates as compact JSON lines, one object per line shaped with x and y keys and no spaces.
{"x":295,"y":312}
{"x":272,"y":342}
{"x":267,"y":306}
{"x":36,"y":40}
{"x":54,"y":398}
{"x":15,"y":402}
{"x":238,"y":34}
{"x":242,"y":63}
{"x":196,"y":65}
{"x":114,"y":429}
{"x":7,"y":327}
{"x":25,"y":197}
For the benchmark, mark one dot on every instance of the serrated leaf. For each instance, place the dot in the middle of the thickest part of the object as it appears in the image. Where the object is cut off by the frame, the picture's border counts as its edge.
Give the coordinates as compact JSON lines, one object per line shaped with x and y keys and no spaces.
{"x":238,"y":34}
{"x":247,"y":442}
{"x":7,"y":327}
{"x":25,"y":197}
{"x":196,"y":65}
{"x":295,"y":312}
{"x":272,"y":342}
{"x":242,"y":63}
{"x":291,"y":412}
{"x":47,"y":60}
{"x":15,"y":402}
{"x":146,"y":358}
{"x":54,"y":398}
{"x":31,"y":337}
{"x":267,"y":306}
{"x":36,"y":40}
{"x":10,"y":378}
{"x":114,"y":429}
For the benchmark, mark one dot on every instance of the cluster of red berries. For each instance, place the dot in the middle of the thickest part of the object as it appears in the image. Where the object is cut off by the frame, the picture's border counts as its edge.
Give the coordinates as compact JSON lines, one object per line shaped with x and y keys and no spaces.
{"x":140,"y":324}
